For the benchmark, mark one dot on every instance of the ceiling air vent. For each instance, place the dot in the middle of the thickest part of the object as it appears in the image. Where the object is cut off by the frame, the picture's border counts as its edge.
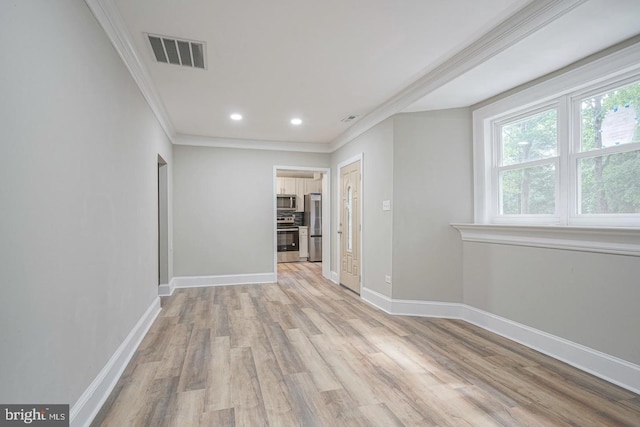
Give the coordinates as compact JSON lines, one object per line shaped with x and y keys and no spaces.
{"x":349,"y":118}
{"x":171,"y":50}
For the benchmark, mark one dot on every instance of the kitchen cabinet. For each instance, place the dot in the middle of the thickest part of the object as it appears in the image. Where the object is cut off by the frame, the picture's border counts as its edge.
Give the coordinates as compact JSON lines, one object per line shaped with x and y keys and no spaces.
{"x":313,"y":186}
{"x":286,"y":185}
{"x":299,"y":187}
{"x":303,"y":243}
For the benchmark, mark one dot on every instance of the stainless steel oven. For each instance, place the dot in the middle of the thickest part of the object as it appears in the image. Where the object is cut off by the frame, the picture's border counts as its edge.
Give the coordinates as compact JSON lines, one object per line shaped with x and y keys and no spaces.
{"x":288,"y":244}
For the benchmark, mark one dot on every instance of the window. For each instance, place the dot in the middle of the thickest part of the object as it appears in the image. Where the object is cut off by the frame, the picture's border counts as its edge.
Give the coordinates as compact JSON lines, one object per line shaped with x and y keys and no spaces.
{"x":568,"y":159}
{"x":528,"y":165}
{"x":608,"y":159}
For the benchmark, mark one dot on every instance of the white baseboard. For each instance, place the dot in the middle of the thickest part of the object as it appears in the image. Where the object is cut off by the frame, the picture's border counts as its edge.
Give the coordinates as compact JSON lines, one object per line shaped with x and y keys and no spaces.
{"x":610,"y":368}
{"x":231,"y":279}
{"x":90,"y":402}
{"x":334,"y":277}
{"x":411,"y":307}
{"x":166,"y":290}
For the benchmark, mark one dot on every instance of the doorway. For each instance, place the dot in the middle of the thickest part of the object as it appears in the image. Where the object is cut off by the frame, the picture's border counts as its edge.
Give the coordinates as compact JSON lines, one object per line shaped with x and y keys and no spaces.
{"x":287,"y":180}
{"x":163,"y":225}
{"x":350,"y":226}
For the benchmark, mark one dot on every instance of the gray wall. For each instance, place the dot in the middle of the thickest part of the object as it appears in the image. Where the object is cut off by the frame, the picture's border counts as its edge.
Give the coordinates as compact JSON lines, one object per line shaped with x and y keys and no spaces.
{"x":78,"y":252}
{"x":588,"y":298}
{"x":223,"y":208}
{"x":432,"y":187}
{"x":376,"y":145}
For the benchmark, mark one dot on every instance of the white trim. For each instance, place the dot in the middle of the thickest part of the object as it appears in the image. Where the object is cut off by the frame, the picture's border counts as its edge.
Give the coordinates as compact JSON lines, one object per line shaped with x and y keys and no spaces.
{"x":358,"y":157}
{"x":107,"y":14}
{"x":274,"y":209}
{"x":526,"y":21}
{"x":87,"y":406}
{"x":610,"y":368}
{"x":327,"y":240}
{"x":166,"y":290}
{"x":251,"y":144}
{"x":334,"y":277}
{"x":223,"y":280}
{"x":620,"y":241}
{"x":400,"y":307}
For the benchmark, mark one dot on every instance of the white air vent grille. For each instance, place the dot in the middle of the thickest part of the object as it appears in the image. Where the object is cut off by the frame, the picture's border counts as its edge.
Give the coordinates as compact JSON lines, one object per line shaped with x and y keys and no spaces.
{"x":349,"y":118}
{"x":171,"y":50}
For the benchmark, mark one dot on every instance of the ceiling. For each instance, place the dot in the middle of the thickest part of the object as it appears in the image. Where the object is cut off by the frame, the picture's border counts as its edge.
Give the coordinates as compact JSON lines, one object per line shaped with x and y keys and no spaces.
{"x":322,"y":61}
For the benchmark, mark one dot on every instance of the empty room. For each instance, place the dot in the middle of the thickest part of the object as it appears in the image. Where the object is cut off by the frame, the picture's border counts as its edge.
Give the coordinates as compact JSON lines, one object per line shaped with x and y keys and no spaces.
{"x":330,"y":213}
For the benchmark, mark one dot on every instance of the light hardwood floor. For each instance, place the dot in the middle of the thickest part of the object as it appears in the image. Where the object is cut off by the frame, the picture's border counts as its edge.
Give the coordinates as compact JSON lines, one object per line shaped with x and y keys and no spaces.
{"x":305,"y":352}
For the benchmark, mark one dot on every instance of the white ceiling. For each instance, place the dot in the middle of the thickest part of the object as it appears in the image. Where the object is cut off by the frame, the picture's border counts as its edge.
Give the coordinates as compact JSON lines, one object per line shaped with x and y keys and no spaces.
{"x":324,"y":60}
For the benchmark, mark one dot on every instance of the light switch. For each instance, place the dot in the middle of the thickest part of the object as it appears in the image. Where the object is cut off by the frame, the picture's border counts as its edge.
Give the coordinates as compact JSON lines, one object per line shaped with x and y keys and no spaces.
{"x":386,"y":205}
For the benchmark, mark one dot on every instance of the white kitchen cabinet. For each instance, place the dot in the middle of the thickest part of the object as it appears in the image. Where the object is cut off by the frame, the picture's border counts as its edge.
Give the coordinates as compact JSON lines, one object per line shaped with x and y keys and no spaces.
{"x":313,"y":186}
{"x":303,"y":245}
{"x":286,"y":185}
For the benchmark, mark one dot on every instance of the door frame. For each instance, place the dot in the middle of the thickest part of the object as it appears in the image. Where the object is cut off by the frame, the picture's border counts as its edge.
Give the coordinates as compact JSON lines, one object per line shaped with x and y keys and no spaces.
{"x":326,"y":219}
{"x":338,"y":259}
{"x":164,"y":254}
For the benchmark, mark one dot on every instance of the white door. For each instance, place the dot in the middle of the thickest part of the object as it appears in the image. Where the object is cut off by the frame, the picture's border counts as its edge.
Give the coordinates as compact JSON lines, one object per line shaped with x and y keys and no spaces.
{"x":350,"y":226}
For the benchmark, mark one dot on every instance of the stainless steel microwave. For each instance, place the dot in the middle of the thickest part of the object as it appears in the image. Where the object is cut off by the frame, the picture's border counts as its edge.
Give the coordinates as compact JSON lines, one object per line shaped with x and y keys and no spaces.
{"x":286,"y":202}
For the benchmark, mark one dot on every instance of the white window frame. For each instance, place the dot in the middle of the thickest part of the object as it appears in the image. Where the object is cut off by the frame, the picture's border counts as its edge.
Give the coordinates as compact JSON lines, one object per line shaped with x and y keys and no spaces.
{"x":496,"y":168}
{"x":563,"y":92}
{"x":575,"y":154}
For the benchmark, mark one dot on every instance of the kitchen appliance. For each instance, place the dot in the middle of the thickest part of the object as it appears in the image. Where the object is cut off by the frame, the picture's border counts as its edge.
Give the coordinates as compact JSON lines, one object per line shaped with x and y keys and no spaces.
{"x":288,"y":240}
{"x":313,"y":218}
{"x":286,"y":202}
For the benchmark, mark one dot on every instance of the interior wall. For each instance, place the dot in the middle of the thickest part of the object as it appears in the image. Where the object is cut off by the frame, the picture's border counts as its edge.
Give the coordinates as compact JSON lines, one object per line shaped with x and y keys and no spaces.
{"x":588,"y":298}
{"x":376,"y":145}
{"x":432,"y":187}
{"x":223,"y":208}
{"x":79,"y":253}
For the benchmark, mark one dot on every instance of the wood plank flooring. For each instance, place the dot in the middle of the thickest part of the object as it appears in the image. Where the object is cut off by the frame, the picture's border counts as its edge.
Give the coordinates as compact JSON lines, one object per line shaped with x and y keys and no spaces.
{"x":305,"y":352}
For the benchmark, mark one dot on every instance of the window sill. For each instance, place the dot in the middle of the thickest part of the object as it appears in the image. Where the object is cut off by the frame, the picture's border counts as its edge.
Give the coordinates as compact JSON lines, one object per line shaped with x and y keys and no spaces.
{"x":620,"y":241}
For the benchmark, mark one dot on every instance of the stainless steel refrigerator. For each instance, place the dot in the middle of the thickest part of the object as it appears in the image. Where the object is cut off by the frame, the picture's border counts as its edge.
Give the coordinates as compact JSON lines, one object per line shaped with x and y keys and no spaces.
{"x":313,"y":218}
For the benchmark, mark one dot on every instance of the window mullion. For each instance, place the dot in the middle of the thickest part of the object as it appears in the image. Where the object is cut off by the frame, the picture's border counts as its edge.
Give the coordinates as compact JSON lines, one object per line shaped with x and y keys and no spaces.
{"x":609,"y":150}
{"x":529,"y":164}
{"x":563,"y":173}
{"x":496,"y":199}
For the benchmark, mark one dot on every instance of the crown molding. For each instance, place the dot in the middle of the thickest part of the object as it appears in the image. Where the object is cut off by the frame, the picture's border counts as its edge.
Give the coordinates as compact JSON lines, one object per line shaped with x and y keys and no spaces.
{"x":251,"y":144}
{"x":107,"y":14}
{"x":534,"y":16}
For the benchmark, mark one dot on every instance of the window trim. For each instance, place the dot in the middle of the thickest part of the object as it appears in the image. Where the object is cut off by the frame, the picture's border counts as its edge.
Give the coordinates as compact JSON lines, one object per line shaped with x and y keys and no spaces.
{"x":617,"y":241}
{"x":563,"y":91}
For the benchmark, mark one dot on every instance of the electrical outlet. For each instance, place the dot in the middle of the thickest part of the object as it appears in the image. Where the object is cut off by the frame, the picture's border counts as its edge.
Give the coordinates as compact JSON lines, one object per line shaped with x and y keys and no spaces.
{"x":386,"y":205}
{"x":387,"y":279}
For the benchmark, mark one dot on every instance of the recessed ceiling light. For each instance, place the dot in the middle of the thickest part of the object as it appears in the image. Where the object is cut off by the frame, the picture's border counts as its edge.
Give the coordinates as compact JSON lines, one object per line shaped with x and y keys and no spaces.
{"x":236,"y":116}
{"x":296,"y":121}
